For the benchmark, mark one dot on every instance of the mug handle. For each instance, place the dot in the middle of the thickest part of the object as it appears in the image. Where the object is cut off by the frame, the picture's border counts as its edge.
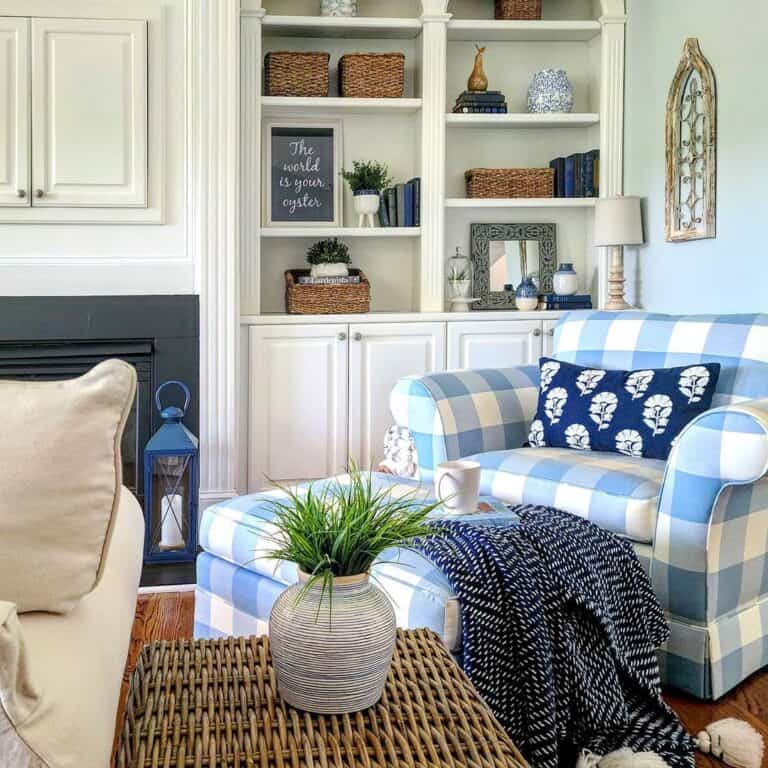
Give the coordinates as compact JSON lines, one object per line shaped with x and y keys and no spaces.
{"x":440,"y":487}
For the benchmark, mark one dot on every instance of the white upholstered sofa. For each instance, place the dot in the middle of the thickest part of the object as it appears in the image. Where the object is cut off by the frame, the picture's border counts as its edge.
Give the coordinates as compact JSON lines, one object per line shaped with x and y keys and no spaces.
{"x":69,"y":576}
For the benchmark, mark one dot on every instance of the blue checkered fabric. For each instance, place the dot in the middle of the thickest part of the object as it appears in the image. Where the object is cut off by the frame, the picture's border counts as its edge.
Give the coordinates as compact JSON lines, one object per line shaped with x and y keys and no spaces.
{"x":451,"y":415}
{"x":705,"y":511}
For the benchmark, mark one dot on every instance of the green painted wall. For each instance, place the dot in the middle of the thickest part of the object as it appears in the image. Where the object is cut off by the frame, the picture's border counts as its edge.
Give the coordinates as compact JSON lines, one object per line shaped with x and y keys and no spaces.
{"x":729,"y":273}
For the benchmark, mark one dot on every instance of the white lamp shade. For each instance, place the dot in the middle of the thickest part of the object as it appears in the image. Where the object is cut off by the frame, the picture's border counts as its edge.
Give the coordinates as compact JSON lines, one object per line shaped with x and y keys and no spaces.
{"x":618,"y":221}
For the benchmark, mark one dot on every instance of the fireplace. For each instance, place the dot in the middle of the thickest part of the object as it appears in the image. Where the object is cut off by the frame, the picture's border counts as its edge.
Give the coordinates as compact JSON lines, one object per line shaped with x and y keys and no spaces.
{"x":49,"y":338}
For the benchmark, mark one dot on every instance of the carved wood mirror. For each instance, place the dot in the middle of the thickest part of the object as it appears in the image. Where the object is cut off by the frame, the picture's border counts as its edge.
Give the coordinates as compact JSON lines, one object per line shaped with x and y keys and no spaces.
{"x":691,"y":148}
{"x":503,"y":254}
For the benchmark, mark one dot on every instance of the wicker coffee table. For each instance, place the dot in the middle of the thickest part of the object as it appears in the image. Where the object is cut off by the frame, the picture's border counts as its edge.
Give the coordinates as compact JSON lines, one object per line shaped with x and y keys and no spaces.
{"x":214,"y":703}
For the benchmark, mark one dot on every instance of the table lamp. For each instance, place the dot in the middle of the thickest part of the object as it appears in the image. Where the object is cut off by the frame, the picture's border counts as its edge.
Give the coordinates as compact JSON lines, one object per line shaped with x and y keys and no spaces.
{"x":618,"y":222}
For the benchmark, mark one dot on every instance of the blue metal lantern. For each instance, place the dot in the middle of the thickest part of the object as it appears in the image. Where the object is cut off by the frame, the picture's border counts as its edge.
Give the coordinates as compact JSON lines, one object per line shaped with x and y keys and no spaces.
{"x":171,"y":478}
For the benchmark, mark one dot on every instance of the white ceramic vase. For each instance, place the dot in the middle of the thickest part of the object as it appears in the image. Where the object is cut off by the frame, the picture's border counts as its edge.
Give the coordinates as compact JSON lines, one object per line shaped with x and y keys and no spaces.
{"x":366,"y":207}
{"x":565,"y":281}
{"x":332,"y":653}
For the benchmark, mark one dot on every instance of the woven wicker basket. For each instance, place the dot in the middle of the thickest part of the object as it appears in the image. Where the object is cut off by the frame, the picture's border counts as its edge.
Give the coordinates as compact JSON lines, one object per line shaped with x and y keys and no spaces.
{"x":372,"y":75}
{"x":510,"y":182}
{"x":523,"y":10}
{"x":340,"y":299}
{"x":293,"y":73}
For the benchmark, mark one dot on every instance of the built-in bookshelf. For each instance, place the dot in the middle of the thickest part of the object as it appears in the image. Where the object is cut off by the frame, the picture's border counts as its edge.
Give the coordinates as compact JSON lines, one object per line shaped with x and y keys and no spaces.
{"x":419,"y":136}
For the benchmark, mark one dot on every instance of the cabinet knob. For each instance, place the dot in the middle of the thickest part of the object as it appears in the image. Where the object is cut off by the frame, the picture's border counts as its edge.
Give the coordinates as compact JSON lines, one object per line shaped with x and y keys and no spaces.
{"x":39,"y":193}
{"x":358,"y":336}
{"x":551,"y":332}
{"x":537,"y":331}
{"x":342,"y":336}
{"x":21,"y":192}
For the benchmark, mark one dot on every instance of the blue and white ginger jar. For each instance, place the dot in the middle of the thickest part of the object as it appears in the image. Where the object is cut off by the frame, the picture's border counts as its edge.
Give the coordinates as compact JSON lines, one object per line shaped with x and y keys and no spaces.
{"x":550,"y":91}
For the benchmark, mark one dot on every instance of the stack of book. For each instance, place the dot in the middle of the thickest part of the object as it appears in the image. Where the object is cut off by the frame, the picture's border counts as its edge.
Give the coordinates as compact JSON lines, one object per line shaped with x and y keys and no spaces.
{"x":577,"y":301}
{"x":481,"y":103}
{"x":400,"y":206}
{"x":339,"y":280}
{"x":577,"y":175}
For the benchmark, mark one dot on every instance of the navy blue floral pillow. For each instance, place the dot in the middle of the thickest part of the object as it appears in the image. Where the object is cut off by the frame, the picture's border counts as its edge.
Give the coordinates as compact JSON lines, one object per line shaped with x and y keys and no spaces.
{"x":637,"y":413}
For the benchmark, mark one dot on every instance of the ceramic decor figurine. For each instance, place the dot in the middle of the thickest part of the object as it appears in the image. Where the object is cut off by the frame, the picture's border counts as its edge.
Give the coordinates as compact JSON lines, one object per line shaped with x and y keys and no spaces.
{"x":478,"y":80}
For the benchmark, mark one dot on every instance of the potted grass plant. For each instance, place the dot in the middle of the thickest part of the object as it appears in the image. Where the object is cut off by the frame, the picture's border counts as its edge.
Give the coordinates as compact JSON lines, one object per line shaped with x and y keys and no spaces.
{"x":332,"y":635}
{"x":329,"y":258}
{"x":367,"y":179}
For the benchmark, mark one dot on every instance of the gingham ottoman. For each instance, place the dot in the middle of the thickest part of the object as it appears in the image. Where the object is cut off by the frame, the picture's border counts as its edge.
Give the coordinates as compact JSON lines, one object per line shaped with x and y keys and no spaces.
{"x":236,"y":587}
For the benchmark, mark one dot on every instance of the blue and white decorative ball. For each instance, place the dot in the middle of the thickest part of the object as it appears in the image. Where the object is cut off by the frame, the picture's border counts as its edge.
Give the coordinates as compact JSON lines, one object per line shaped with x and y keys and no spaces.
{"x":550,"y":91}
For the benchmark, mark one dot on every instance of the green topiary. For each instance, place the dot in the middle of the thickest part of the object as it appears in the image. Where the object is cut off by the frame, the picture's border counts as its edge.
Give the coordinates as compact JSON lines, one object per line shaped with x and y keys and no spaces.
{"x":329,"y":251}
{"x":367,"y":175}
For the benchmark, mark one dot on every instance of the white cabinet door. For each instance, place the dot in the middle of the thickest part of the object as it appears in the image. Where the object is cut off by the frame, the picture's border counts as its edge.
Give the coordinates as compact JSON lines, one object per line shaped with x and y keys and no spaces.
{"x":549,"y":337}
{"x":14,"y":114}
{"x":297,"y":402}
{"x":493,"y":344}
{"x":379,"y":354}
{"x":89,"y":107}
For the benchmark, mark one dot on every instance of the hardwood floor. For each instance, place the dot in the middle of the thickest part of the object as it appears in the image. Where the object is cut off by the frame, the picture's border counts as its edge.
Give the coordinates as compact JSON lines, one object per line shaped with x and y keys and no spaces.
{"x":169,"y":615}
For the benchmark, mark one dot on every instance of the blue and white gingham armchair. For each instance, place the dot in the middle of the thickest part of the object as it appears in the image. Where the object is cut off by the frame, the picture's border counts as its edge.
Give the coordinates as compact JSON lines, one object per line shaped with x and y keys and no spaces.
{"x":699,"y":521}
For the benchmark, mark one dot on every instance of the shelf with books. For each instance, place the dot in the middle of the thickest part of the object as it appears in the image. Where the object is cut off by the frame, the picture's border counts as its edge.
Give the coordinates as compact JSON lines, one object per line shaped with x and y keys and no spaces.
{"x":522,"y":120}
{"x":312,"y":106}
{"x":338,"y":27}
{"x":520,"y":202}
{"x":341,"y":232}
{"x":489,"y":30}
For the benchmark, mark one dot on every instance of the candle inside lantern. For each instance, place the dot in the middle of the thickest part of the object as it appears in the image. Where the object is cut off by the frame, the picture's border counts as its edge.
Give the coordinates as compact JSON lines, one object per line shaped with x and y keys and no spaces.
{"x":170,"y":530}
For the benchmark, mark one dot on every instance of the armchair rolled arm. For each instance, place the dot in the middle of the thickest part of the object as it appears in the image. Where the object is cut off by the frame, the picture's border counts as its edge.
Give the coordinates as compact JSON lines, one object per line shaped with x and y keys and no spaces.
{"x":709,"y":549}
{"x":452,"y":415}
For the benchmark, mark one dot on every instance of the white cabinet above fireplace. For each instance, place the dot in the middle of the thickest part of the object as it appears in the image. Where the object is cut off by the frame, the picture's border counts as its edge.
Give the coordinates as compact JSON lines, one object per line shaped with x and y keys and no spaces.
{"x":81,"y":139}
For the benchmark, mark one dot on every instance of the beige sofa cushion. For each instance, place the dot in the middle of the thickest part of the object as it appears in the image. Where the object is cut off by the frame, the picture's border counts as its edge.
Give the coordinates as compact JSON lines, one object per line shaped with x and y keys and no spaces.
{"x":60,"y":479}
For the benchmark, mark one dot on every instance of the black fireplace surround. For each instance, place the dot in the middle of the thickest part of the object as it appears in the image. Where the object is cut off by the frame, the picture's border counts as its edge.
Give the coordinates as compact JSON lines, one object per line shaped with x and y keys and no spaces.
{"x":57,"y":337}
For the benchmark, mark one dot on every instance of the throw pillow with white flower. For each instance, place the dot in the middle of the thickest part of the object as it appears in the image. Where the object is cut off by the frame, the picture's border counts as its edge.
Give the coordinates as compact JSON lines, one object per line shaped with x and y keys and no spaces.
{"x":635,"y":413}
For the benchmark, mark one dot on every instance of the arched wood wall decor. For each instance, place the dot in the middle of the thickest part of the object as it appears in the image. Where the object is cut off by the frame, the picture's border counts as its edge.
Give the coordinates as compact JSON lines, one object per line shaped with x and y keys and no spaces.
{"x":691,"y":148}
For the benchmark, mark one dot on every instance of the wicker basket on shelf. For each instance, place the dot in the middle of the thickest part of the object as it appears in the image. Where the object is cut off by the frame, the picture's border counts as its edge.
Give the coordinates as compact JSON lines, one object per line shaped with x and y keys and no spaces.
{"x":510,"y":182}
{"x":326,"y":299}
{"x":295,"y":73}
{"x":372,"y":75}
{"x":523,"y":10}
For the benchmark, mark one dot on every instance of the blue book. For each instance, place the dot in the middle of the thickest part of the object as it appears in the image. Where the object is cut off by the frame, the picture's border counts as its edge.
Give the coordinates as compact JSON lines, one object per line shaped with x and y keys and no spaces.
{"x":565,"y":307}
{"x":558,"y":165}
{"x":577,"y":298}
{"x":409,"y":204}
{"x":570,"y":177}
{"x":588,"y":174}
{"x":416,"y":201}
{"x":383,"y":213}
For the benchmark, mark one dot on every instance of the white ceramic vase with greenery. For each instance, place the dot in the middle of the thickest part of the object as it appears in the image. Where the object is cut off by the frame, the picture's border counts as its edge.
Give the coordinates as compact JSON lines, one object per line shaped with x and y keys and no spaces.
{"x":367,"y":180}
{"x":329,"y":258}
{"x":332,"y":635}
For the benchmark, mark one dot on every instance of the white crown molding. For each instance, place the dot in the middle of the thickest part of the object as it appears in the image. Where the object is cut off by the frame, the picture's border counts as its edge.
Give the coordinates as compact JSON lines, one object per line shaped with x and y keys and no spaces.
{"x":213,"y":33}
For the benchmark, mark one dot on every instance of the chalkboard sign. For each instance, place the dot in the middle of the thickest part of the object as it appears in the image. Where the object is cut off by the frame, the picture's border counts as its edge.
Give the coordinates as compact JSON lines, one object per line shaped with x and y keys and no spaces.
{"x":304,"y":175}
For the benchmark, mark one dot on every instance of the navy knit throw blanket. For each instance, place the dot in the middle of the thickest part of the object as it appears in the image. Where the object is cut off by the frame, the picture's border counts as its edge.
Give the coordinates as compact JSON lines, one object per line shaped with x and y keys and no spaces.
{"x":559,"y":629}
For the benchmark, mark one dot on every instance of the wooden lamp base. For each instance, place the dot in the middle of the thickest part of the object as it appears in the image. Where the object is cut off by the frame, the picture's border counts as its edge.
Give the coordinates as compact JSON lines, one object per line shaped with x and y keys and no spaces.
{"x":616,"y":281}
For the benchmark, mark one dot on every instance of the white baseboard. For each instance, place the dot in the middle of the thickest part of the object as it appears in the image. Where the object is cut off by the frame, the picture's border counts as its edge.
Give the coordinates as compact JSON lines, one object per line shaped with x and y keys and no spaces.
{"x":167,"y":588}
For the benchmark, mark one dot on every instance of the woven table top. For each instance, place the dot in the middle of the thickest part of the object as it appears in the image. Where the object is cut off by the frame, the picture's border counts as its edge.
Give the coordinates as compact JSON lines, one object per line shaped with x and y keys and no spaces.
{"x":215,"y":703}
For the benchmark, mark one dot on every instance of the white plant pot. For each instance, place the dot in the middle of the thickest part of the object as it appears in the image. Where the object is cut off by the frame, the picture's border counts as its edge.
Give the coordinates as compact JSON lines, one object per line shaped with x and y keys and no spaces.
{"x":366,"y":207}
{"x":329,"y":270}
{"x":332,"y":654}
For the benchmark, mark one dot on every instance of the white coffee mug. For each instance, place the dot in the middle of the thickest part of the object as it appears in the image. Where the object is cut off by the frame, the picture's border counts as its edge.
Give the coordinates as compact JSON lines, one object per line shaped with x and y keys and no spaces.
{"x":457,"y":486}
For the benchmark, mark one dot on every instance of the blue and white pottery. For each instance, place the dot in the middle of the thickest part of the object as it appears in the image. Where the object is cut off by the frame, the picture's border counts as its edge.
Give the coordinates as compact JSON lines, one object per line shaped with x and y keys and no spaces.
{"x":565,"y":281}
{"x":550,"y":91}
{"x":527,"y":295}
{"x":338,"y":7}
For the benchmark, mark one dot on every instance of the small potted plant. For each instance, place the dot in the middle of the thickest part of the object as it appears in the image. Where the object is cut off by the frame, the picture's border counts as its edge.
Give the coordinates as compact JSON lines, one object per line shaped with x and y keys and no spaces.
{"x":329,"y":258}
{"x":460,"y":283}
{"x":367,"y":180}
{"x":332,"y":635}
